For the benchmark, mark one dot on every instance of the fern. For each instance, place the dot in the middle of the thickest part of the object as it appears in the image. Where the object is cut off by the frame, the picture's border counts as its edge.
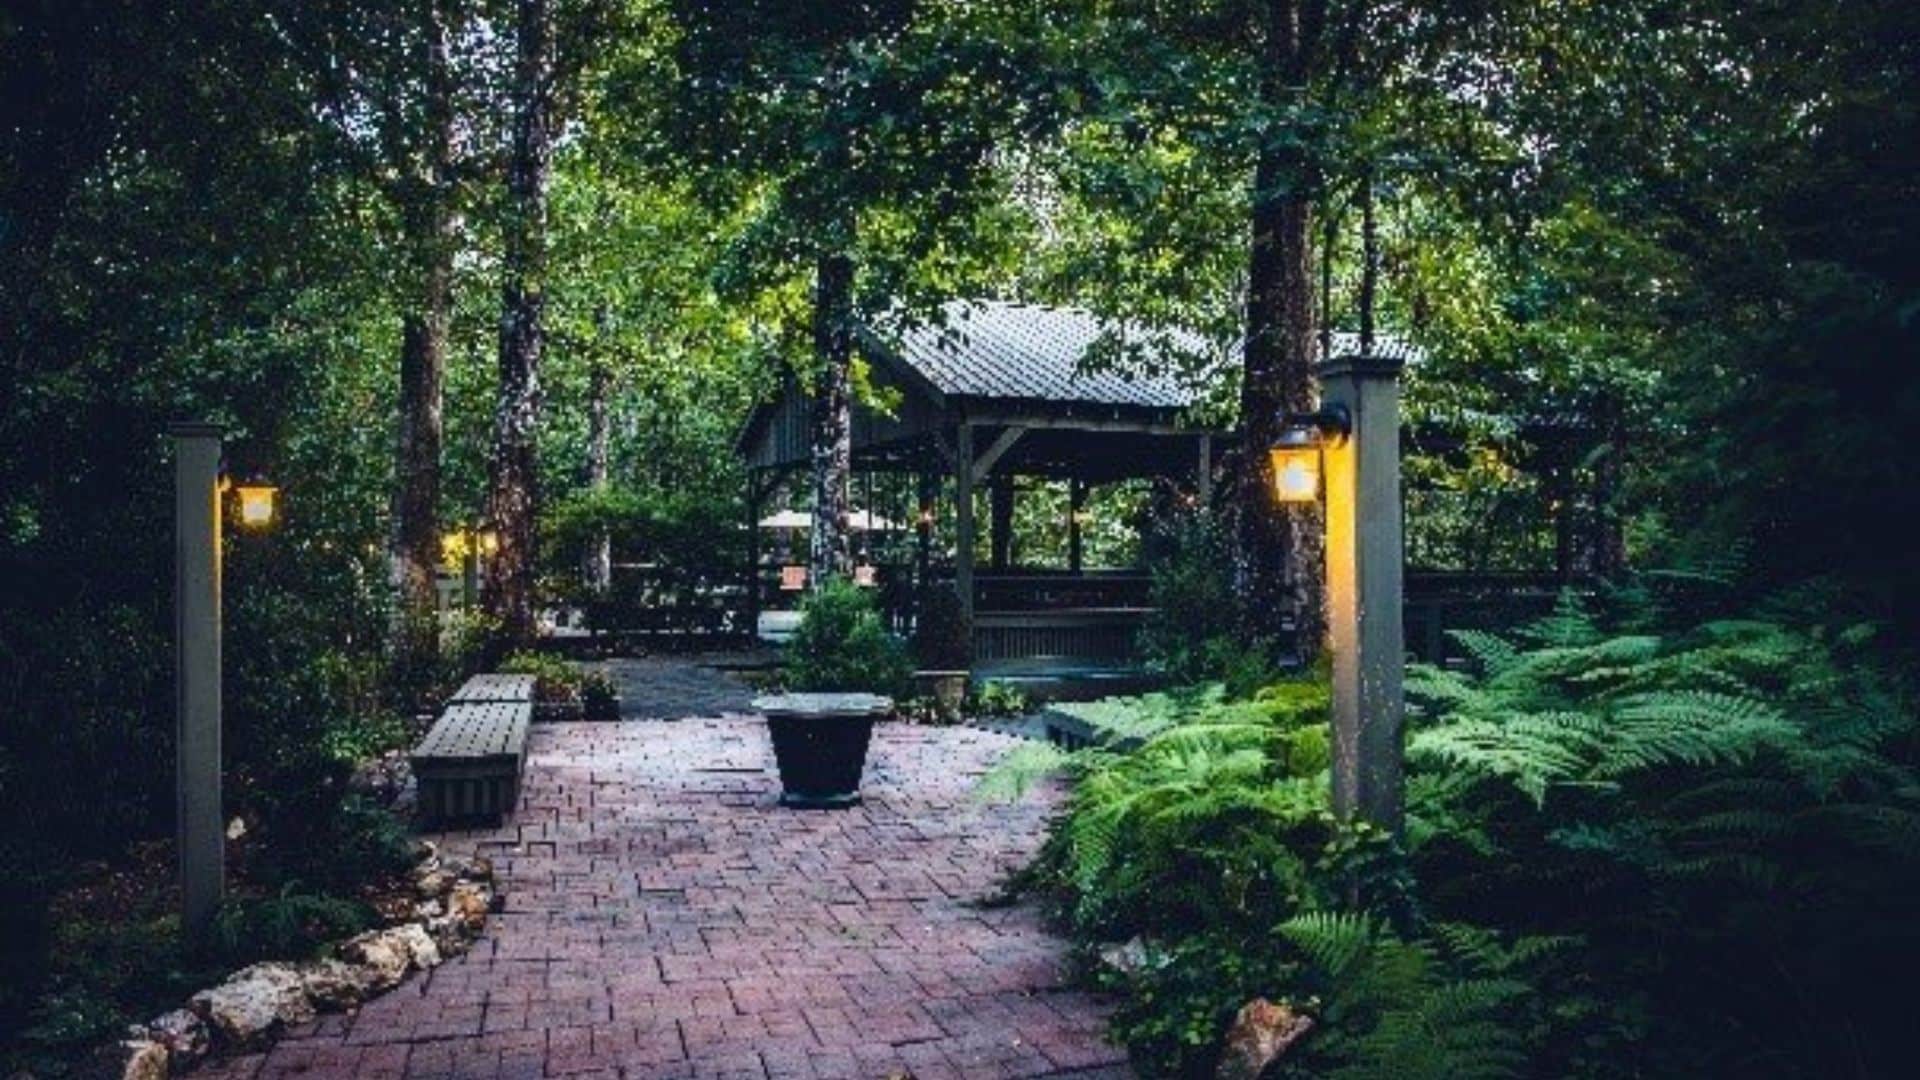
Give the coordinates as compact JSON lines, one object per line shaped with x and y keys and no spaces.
{"x":1419,"y":1008}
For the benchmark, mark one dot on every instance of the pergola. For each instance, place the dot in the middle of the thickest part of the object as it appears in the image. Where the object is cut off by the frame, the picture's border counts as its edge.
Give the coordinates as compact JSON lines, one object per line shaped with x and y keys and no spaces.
{"x":988,"y":393}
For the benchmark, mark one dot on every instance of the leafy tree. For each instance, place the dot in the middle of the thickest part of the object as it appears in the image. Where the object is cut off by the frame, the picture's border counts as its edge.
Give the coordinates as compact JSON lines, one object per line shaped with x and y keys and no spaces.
{"x":863,"y":135}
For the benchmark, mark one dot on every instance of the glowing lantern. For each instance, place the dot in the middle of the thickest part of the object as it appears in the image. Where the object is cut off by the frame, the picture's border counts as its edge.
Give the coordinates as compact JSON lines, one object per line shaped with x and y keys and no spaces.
{"x":256,"y":503}
{"x":1296,"y":456}
{"x":1296,"y":473}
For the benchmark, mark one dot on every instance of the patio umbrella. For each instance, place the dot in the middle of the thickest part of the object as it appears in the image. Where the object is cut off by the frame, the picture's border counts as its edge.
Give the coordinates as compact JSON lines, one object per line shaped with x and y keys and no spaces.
{"x":858,"y":521}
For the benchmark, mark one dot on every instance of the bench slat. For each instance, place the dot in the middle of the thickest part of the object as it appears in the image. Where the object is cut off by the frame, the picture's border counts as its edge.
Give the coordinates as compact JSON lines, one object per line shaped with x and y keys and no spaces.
{"x":489,"y":729}
{"x":492,"y":687}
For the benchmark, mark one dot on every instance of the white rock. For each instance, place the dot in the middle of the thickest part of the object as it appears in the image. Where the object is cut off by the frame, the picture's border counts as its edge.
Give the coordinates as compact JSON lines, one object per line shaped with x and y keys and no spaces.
{"x":449,"y":935}
{"x":433,"y":884}
{"x":335,"y":984}
{"x":128,"y":1059}
{"x":253,"y":1001}
{"x":419,"y":944}
{"x":470,"y":902}
{"x":468,"y":867}
{"x":384,"y":959}
{"x":184,"y":1035}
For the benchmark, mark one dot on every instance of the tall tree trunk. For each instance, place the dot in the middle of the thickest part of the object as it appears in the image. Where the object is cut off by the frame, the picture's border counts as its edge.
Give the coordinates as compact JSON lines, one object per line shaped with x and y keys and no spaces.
{"x":828,"y":555}
{"x":1609,"y":527}
{"x":432,"y":225}
{"x":599,"y":561}
{"x":1369,"y":263}
{"x":512,"y":490}
{"x":1280,"y":545}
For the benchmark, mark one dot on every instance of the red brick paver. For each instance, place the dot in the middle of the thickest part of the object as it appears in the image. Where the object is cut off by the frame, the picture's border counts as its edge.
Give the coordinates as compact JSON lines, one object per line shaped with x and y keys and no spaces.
{"x":664,"y":918}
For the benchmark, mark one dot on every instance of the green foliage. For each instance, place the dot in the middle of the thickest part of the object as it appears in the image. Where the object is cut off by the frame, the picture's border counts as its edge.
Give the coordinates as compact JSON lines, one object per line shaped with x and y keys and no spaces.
{"x":1689,"y":781}
{"x":1618,"y":846}
{"x":291,"y":925}
{"x":599,"y":696}
{"x":942,"y":633}
{"x":842,"y":644}
{"x":556,"y":680}
{"x":998,"y":698}
{"x":1193,"y":632}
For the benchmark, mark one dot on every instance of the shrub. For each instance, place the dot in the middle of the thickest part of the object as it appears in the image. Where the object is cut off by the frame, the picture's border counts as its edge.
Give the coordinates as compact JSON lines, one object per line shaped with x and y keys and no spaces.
{"x":997,"y":698}
{"x":556,"y":681}
{"x":842,"y":645}
{"x":289,"y":926}
{"x":1196,"y":631}
{"x":598,"y":695}
{"x":1621,"y":850}
{"x":942,"y":633}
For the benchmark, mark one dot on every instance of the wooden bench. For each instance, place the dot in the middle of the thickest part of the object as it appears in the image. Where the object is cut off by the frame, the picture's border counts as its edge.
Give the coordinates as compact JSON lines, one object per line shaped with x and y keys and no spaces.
{"x":468,"y":767}
{"x":493,"y":687}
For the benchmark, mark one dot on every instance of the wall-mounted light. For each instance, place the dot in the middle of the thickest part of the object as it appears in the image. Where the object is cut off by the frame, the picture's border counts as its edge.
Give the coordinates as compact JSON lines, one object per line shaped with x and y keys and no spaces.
{"x":1295,"y":456}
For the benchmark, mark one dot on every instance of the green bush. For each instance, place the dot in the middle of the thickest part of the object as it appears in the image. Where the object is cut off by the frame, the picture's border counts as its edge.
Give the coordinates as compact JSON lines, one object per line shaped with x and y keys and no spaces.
{"x":556,"y":680}
{"x":1195,"y":625}
{"x":291,"y":925}
{"x":841,"y":644}
{"x":598,"y":695}
{"x":1623,"y":853}
{"x":942,"y":634}
{"x":997,"y":698}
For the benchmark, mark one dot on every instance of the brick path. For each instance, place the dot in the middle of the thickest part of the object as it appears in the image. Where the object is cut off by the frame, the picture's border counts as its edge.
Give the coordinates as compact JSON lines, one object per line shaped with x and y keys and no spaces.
{"x":666,"y":919}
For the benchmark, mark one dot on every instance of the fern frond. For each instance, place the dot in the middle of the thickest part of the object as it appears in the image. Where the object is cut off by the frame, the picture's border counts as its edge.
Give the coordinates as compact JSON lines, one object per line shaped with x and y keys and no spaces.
{"x":1333,"y":940}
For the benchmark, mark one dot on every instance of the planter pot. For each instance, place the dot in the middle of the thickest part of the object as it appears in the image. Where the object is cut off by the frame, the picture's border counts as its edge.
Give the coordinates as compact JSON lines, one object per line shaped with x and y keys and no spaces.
{"x":820,"y":742}
{"x":602,"y":709}
{"x":555,"y":712}
{"x":947,"y":689}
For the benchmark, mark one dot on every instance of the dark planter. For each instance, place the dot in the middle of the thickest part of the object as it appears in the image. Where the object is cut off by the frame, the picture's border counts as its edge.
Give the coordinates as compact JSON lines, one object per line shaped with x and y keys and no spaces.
{"x":558,"y":712}
{"x":820,"y":742}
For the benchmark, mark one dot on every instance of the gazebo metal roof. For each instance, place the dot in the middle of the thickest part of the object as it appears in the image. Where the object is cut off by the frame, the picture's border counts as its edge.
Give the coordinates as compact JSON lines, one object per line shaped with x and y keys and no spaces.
{"x":1000,"y":349}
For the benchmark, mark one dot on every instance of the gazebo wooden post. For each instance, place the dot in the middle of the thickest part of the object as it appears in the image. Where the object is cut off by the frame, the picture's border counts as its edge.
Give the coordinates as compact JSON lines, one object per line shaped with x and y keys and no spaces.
{"x":1000,"y":489}
{"x":756,"y":495}
{"x":1203,"y":472}
{"x":1076,"y":499}
{"x":923,"y":529}
{"x":963,"y":516}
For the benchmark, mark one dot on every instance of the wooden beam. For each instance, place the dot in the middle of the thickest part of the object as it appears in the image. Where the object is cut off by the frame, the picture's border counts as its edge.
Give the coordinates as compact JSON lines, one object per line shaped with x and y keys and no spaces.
{"x":1203,"y":478}
{"x":963,"y":518}
{"x":1076,"y":500}
{"x":1000,"y":525}
{"x":995,"y":451}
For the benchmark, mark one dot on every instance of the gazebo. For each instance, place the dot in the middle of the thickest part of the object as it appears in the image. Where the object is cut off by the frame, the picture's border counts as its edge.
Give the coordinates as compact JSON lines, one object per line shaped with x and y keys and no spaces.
{"x":986,"y":394}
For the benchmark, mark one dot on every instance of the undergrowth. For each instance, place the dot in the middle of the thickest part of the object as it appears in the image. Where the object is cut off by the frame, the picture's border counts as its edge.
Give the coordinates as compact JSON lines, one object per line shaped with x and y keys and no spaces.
{"x":1632,"y":848}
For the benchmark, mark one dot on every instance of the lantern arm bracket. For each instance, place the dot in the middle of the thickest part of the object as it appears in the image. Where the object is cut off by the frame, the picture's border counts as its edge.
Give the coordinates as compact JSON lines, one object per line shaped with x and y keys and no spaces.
{"x":1330,"y":424}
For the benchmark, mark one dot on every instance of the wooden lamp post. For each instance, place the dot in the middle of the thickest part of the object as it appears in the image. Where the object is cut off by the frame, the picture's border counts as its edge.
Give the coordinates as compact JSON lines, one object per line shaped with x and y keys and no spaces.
{"x":1350,"y":453}
{"x":200,"y":827}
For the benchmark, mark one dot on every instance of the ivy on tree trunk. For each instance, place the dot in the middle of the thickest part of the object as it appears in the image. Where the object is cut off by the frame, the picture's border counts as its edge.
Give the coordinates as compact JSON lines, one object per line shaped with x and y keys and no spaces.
{"x":432,"y":235}
{"x":510,"y":576}
{"x":832,"y":416}
{"x":1280,"y":545}
{"x":599,"y":560}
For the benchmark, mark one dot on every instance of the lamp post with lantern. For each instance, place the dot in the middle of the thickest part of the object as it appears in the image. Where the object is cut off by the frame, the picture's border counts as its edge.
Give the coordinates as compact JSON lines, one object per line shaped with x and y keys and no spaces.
{"x":199,"y":494}
{"x":1349,"y":452}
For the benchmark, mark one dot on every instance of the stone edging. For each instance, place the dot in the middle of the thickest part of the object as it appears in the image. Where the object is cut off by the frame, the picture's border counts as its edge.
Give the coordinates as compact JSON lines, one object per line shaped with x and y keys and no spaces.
{"x":255,"y":1003}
